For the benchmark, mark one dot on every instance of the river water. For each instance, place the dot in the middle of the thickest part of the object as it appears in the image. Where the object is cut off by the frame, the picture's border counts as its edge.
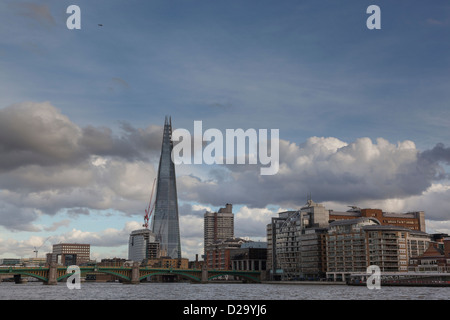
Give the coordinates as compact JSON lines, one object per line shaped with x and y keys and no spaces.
{"x":214,"y":291}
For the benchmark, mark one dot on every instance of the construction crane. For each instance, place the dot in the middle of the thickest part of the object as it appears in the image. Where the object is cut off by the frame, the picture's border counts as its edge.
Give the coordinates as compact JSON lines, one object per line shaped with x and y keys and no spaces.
{"x":150,"y":207}
{"x":36,"y":250}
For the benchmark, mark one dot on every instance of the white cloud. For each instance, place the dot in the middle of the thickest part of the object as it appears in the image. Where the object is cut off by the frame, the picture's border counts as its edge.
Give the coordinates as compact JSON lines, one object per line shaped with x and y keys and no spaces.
{"x":24,"y":248}
{"x":434,"y":226}
{"x":191,"y":226}
{"x":109,"y":237}
{"x":252,"y":222}
{"x":66,"y":168}
{"x":330,"y":169}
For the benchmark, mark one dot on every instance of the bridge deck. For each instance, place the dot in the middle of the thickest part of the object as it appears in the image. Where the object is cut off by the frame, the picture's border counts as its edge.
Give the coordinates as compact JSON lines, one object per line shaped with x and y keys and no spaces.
{"x":134,"y":273}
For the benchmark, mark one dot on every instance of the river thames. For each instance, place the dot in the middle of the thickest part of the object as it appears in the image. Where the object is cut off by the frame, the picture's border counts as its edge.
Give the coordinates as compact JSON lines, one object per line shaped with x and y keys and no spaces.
{"x":214,"y":291}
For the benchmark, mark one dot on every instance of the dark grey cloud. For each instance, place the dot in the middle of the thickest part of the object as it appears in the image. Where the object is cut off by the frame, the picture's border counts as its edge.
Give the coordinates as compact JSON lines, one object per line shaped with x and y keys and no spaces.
{"x":78,"y":211}
{"x":101,"y":141}
{"x":331,"y":170}
{"x":38,"y":134}
{"x":148,"y":139}
{"x":438,"y":154}
{"x":431,"y":160}
{"x":115,"y":184}
{"x":47,"y":163}
{"x":187,"y":209}
{"x":17,"y":218}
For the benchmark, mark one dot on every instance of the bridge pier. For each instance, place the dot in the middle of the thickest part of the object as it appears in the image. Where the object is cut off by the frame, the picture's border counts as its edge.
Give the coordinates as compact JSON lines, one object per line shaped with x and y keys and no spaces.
{"x":204,"y":278}
{"x":17,"y":279}
{"x":135,"y":273}
{"x":52,"y":274}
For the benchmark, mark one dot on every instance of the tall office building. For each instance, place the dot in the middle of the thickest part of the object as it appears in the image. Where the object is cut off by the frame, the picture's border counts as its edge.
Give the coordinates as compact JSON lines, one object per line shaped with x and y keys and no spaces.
{"x":142,"y":245}
{"x":218,"y":225}
{"x":165,"y":219}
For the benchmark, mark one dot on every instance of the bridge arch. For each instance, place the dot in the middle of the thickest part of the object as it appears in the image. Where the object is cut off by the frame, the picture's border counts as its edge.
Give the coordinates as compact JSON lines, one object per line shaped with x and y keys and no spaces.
{"x":170,"y":272}
{"x":83,"y":271}
{"x":117,"y":274}
{"x":30,"y":274}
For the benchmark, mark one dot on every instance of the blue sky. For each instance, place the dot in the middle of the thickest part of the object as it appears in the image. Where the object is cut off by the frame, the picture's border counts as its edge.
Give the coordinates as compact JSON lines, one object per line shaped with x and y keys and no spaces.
{"x":308,"y":68}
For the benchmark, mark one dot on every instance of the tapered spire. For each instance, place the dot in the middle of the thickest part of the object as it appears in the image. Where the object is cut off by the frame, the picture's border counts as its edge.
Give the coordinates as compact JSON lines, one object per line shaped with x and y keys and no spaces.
{"x":165,"y":220}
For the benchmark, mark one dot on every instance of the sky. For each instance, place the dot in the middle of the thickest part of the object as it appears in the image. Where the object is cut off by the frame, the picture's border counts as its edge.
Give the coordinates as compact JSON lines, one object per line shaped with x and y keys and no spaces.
{"x":363,"y":115}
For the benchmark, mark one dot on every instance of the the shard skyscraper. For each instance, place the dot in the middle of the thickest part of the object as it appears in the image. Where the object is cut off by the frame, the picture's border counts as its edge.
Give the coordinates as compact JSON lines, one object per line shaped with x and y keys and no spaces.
{"x":165,"y":220}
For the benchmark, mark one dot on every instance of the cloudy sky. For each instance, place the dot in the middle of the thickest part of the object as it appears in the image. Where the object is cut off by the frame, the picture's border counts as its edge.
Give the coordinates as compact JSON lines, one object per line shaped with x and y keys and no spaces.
{"x":363,"y":115}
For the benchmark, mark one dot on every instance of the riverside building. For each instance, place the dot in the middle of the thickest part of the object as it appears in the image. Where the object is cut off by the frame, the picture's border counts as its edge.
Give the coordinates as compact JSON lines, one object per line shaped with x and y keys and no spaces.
{"x":355,"y":244}
{"x":218,"y":254}
{"x":298,"y":248}
{"x":273,"y":231}
{"x":251,"y":256}
{"x":296,"y":243}
{"x":435,"y":259}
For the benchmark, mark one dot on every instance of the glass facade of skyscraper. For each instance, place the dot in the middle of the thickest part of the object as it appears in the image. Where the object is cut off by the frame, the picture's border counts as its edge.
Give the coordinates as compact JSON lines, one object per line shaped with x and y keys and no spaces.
{"x":165,"y":220}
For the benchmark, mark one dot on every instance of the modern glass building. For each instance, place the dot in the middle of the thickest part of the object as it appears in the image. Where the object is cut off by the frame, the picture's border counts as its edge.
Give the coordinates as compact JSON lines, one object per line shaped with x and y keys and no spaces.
{"x":165,"y":217}
{"x":142,"y":245}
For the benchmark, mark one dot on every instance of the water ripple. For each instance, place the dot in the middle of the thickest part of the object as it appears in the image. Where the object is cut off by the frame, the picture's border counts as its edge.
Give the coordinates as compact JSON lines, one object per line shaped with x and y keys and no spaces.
{"x":214,"y":291}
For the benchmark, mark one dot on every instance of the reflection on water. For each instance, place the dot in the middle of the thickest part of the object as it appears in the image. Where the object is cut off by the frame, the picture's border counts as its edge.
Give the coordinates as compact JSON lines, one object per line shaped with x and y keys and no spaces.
{"x":214,"y":291}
